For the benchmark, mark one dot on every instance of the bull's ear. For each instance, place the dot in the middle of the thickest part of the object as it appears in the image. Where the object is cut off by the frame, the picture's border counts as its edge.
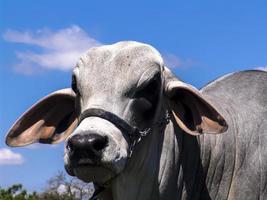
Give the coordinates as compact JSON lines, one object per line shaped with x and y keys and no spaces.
{"x":49,"y":121}
{"x":192,"y":112}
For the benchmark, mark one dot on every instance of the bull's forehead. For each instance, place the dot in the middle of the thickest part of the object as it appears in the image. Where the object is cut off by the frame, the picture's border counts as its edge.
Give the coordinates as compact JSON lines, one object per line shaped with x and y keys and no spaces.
{"x":115,"y":68}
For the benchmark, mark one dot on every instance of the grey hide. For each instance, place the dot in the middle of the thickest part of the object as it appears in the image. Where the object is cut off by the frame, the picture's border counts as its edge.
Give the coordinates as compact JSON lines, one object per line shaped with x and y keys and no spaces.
{"x":214,"y":145}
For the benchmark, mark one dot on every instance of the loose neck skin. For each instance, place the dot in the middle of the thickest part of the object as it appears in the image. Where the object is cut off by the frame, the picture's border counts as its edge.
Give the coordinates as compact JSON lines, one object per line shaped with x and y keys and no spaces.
{"x":139,"y":180}
{"x":158,"y":168}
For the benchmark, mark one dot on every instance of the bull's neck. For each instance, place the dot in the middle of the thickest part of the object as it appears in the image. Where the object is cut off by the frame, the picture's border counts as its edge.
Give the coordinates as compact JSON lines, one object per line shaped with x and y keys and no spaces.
{"x":180,"y":166}
{"x":165,"y":165}
{"x":139,"y":180}
{"x":183,"y":172}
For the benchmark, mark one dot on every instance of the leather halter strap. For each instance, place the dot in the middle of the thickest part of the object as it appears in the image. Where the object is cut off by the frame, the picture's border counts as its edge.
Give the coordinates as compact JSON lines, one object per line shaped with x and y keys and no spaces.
{"x":120,"y":123}
{"x":134,"y":134}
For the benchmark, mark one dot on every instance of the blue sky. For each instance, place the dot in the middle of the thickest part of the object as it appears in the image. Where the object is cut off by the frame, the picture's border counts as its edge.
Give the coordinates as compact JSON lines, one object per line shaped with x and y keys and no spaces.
{"x":41,"y":40}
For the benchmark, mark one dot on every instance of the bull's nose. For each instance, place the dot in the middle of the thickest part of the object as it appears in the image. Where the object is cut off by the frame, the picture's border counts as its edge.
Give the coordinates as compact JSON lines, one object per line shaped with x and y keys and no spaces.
{"x":86,"y":148}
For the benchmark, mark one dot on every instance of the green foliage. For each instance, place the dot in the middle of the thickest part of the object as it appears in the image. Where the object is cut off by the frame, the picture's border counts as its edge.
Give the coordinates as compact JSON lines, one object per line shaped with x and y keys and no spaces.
{"x":16,"y":192}
{"x":55,"y":196}
{"x":58,"y":187}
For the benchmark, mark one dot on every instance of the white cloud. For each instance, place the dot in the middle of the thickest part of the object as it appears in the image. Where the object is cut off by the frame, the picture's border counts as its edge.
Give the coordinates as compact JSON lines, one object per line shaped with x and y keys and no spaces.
{"x":58,"y":49}
{"x":61,"y":49}
{"x":262,"y":68}
{"x":172,"y":61}
{"x":8,"y":157}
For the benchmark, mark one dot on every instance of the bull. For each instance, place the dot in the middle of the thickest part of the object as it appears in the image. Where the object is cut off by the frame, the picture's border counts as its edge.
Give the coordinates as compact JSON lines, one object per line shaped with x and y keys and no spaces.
{"x":138,"y":132}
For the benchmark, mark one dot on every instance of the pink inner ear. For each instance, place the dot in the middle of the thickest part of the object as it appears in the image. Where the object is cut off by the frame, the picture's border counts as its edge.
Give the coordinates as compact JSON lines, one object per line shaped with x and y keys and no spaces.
{"x":194,"y":114}
{"x":59,"y":123}
{"x":48,"y":121}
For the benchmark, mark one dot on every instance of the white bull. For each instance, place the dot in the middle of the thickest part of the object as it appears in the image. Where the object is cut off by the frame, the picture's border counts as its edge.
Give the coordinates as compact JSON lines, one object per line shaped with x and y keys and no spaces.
{"x":139,"y":132}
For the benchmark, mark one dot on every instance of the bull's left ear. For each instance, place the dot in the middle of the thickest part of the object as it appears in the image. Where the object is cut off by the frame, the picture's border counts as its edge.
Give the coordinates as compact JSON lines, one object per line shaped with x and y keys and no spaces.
{"x":51,"y":120}
{"x":192,"y":112}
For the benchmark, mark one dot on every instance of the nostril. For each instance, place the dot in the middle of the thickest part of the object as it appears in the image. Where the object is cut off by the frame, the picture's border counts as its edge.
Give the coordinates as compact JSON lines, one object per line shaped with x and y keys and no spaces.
{"x":69,"y":145}
{"x":75,"y":142}
{"x":100,"y":143}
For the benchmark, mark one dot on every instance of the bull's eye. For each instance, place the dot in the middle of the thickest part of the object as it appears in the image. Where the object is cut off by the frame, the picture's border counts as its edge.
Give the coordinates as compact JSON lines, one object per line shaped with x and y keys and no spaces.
{"x":149,"y":90}
{"x":149,"y":93}
{"x":77,"y":92}
{"x":74,"y":84}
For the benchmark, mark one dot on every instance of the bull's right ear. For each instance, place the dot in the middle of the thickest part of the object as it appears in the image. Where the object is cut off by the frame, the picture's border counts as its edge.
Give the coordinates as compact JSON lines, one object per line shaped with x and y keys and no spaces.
{"x":49,"y":121}
{"x":192,"y":111}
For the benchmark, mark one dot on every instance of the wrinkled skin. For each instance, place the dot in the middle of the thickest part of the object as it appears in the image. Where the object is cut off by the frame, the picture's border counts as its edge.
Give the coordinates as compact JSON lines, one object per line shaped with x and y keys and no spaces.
{"x":212,"y":148}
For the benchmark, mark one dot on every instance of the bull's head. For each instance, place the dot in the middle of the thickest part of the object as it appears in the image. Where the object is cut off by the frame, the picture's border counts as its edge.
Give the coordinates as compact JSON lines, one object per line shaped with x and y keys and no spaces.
{"x":119,"y":94}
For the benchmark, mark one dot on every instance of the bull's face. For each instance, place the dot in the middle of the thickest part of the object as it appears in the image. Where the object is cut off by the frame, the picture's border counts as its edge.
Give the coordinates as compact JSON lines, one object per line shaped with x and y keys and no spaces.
{"x":117,"y":88}
{"x":117,"y":92}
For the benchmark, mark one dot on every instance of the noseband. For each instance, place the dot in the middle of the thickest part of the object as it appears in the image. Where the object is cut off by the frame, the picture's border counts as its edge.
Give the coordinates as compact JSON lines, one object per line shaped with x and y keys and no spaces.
{"x":134,"y":134}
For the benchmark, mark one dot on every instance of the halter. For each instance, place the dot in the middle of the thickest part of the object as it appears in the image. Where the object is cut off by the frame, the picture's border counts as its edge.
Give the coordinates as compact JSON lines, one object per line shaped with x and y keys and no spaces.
{"x":134,"y":134}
